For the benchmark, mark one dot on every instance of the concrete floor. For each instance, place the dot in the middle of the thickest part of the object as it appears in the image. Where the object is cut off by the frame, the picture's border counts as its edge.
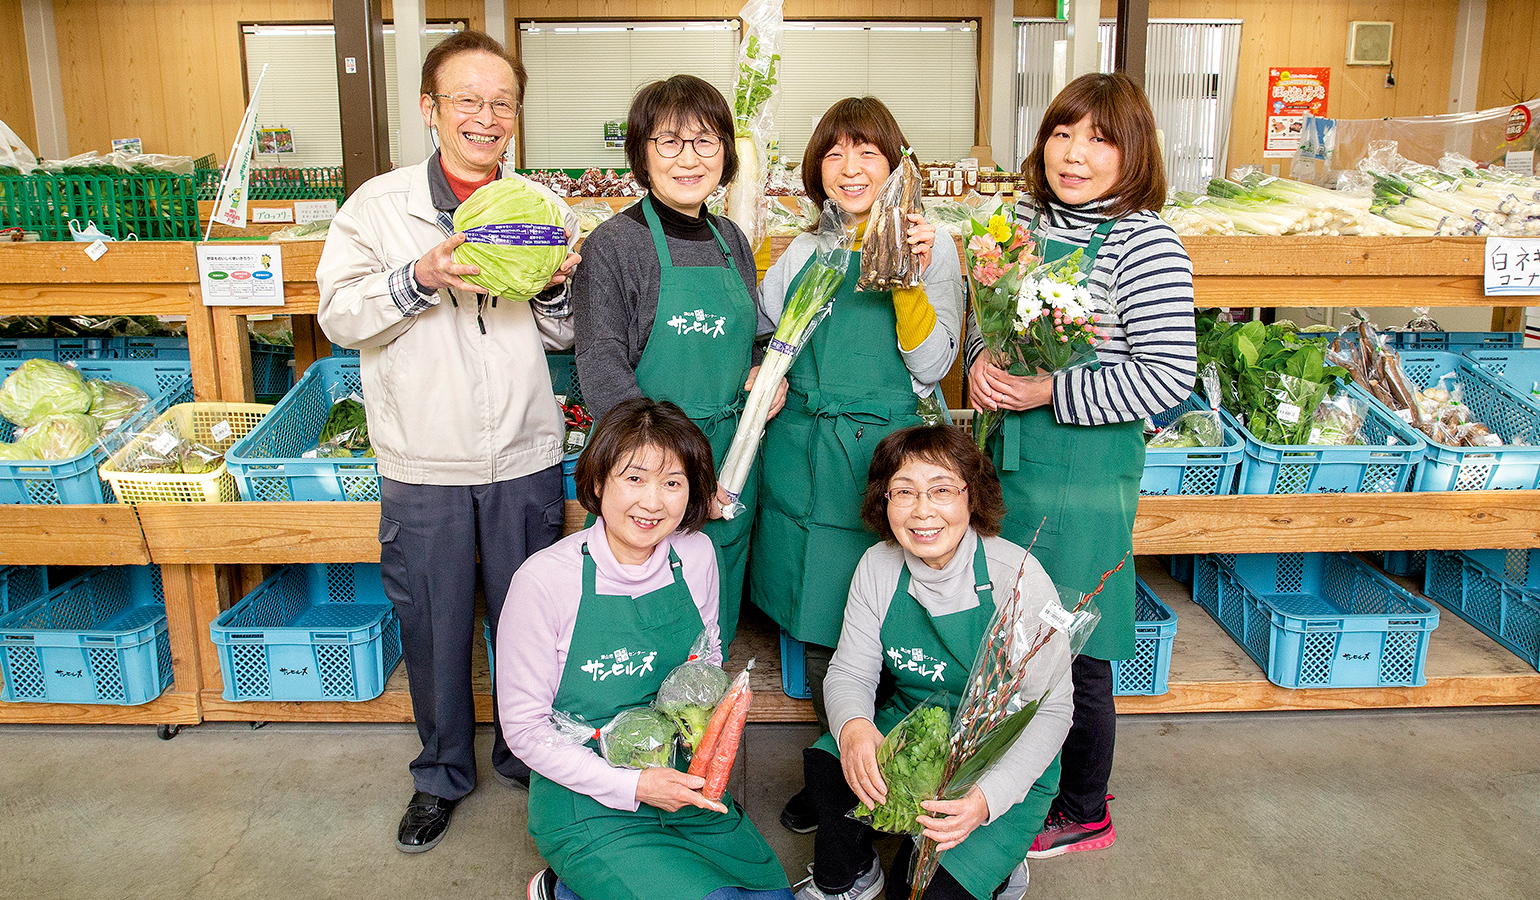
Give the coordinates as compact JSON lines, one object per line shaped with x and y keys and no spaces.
{"x":1395,"y":804}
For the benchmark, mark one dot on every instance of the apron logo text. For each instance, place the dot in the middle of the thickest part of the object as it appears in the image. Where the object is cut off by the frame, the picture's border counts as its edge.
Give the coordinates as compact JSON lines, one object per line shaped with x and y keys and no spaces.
{"x":913,"y":659}
{"x":621,"y":662}
{"x":699,"y":320}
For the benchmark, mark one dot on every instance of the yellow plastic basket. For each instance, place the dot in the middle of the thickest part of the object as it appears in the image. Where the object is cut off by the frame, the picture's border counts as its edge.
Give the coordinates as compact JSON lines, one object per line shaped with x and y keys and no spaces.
{"x":193,"y":421}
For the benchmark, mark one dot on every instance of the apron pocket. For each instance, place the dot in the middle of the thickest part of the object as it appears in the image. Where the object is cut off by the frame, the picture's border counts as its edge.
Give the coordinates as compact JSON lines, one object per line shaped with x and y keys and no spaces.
{"x":787,"y":486}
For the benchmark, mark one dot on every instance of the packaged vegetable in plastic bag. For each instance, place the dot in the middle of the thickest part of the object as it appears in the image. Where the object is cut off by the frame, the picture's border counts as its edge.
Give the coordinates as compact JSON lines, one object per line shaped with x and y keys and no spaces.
{"x":15,"y":452}
{"x":719,"y":747}
{"x":1288,"y":417}
{"x":691,"y":692}
{"x":114,"y":401}
{"x":754,"y":95}
{"x":40,"y":388}
{"x":514,"y":233}
{"x":1200,"y":427}
{"x":912,"y":761}
{"x":888,"y":260}
{"x":637,"y":738}
{"x":1337,"y":422}
{"x":63,"y":436}
{"x":590,"y":213}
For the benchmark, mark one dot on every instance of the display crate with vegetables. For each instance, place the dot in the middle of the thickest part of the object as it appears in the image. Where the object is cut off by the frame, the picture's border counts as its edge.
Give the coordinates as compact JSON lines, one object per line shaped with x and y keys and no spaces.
{"x":270,"y":463}
{"x":1498,"y":591}
{"x":1147,"y":673}
{"x":55,"y":477}
{"x":1199,"y":455}
{"x":180,"y":457}
{"x":310,"y":632}
{"x":1508,"y":457}
{"x":1317,"y":619}
{"x":99,"y":638}
{"x":149,"y":204}
{"x":58,"y":349}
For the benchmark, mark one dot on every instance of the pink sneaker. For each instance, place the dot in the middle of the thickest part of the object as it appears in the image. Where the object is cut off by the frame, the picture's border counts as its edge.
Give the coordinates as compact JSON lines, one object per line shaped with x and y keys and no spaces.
{"x":1060,"y":836}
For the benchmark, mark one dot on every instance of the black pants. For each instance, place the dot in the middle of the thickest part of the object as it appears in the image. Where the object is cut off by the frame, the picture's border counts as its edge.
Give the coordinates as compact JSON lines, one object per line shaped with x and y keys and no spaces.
{"x":1086,"y":763}
{"x":429,"y":538}
{"x":842,"y":846}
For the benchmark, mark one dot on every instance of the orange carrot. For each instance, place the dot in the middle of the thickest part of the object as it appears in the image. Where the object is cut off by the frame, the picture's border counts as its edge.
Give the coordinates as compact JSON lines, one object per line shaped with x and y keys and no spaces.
{"x":727,"y":748}
{"x":708,"y":744}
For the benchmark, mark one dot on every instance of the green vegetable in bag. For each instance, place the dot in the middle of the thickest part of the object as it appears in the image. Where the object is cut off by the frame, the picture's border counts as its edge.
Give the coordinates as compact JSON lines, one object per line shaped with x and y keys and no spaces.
{"x":112,"y":401}
{"x":41,"y":388}
{"x":514,"y":234}
{"x":15,"y":452}
{"x":62,"y":437}
{"x":912,"y":759}
{"x":346,"y":426}
{"x":639,"y":738}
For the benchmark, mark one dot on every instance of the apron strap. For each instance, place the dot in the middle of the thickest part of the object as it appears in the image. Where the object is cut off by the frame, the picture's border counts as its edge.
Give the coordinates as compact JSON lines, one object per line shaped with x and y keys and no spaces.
{"x":1098,"y":236}
{"x":981,"y":583}
{"x":1010,"y":442}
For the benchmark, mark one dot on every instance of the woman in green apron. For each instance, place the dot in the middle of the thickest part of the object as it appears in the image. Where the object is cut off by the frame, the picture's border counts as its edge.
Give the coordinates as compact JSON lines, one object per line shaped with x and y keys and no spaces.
{"x":665,"y":305}
{"x":1071,"y":452}
{"x":610,"y":611}
{"x":919,"y":605}
{"x":855,"y":382}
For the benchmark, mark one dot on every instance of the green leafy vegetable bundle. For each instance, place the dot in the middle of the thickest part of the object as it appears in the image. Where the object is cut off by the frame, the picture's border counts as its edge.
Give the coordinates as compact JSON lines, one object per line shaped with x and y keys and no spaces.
{"x":514,"y":234}
{"x":1272,"y":377}
{"x":912,"y":760}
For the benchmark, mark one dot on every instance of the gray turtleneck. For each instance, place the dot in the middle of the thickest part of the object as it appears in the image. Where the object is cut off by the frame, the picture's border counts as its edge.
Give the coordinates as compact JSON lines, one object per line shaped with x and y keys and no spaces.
{"x":850,"y":690}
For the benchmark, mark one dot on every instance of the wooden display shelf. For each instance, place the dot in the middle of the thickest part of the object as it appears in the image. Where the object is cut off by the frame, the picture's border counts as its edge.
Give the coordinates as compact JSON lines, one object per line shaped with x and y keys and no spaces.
{"x":171,"y":708}
{"x":104,"y":534}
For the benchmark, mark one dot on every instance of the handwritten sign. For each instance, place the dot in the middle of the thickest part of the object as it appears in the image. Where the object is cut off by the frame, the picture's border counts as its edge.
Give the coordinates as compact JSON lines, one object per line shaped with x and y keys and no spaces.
{"x":1512,"y":266}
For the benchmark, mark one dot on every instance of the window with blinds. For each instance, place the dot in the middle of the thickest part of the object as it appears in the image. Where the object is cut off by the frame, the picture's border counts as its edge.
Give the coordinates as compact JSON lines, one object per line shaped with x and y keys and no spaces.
{"x":300,"y":90}
{"x":1190,"y":77}
{"x":925,"y":72}
{"x":583,"y":75}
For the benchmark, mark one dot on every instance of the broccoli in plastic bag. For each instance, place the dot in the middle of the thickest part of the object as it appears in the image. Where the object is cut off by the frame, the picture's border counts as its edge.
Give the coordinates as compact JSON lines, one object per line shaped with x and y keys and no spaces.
{"x":690,"y":693}
{"x":637,"y":738}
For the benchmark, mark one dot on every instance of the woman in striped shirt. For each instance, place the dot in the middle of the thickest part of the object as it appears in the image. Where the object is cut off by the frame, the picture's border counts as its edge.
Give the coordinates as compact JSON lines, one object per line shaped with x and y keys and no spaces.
{"x":1071,"y":452}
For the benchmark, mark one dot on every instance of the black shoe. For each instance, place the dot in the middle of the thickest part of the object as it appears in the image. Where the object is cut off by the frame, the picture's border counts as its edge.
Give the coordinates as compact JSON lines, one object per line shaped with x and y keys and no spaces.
{"x":799,"y":815}
{"x":543,"y":885}
{"x":424,"y":824}
{"x":517,"y":782}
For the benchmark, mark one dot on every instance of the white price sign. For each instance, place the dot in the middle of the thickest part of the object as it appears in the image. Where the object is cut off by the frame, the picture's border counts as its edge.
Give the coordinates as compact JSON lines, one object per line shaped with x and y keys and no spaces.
{"x":307,"y":211}
{"x":268,"y":214}
{"x":1511,"y":266}
{"x":240,"y":274}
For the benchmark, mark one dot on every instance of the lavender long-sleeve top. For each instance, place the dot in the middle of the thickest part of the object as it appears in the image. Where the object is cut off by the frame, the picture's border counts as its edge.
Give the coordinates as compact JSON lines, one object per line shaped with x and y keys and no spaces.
{"x":535,"y":633}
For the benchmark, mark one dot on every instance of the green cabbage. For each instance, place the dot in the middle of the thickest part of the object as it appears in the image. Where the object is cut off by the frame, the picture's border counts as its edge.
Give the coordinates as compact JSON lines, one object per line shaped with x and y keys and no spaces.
{"x":62,"y":437}
{"x":112,"y":401}
{"x":15,"y":452}
{"x":41,"y":388}
{"x":508,"y":271}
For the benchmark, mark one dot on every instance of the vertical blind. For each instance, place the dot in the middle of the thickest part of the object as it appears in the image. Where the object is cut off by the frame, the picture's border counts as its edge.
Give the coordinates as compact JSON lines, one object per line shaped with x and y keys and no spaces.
{"x":926,"y":73}
{"x":1190,"y":77}
{"x":300,"y":90}
{"x":584,"y":75}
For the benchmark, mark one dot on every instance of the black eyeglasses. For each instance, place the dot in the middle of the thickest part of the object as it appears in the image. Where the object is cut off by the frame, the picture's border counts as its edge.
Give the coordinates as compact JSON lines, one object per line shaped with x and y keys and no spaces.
{"x":671,"y":145}
{"x":469,"y":104}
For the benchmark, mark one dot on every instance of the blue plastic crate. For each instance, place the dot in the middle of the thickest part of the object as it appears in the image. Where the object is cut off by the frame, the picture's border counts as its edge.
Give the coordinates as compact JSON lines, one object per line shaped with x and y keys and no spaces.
{"x":794,"y":668}
{"x":272,"y":365}
{"x":267,"y":464}
{"x":1318,"y":619}
{"x":1456,"y":341}
{"x":76,"y":480}
{"x":20,"y":585}
{"x":1382,"y":464}
{"x":99,"y":638}
{"x":1518,"y":369}
{"x":1492,"y":402}
{"x":1179,"y":565}
{"x":1497,"y":591}
{"x":310,"y":632}
{"x":564,"y":377}
{"x":1406,"y":563}
{"x":342,"y":352}
{"x":58,"y":349}
{"x":1192,"y":470}
{"x":1148,"y":672}
{"x":169,"y":347}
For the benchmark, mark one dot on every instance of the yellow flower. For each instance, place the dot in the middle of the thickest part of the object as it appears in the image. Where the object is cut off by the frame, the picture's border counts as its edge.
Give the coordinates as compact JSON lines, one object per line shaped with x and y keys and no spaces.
{"x":999,"y":228}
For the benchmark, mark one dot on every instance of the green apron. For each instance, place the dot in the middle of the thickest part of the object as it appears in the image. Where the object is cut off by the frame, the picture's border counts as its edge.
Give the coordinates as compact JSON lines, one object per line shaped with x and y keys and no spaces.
{"x":622,"y":649}
{"x":698,"y":355}
{"x":1081,"y":484}
{"x":849,"y":388}
{"x":928,"y":654}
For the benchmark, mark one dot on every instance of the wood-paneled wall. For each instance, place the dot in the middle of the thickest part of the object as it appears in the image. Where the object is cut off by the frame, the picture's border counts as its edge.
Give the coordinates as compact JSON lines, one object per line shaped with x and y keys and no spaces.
{"x":15,"y":86}
{"x":1510,"y":54}
{"x":169,"y":71}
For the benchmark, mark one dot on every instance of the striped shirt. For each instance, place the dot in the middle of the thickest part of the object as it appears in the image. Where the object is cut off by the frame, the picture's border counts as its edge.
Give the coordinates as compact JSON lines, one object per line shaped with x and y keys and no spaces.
{"x":1142,"y":289}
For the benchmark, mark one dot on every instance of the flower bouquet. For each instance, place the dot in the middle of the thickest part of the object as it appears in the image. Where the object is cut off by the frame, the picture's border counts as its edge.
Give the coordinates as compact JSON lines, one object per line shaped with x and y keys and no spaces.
{"x":997,"y":707}
{"x":1033,"y":316}
{"x":805,"y":308}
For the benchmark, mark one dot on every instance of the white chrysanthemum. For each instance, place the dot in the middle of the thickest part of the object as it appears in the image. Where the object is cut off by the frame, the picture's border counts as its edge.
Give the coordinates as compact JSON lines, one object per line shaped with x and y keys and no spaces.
{"x":1028,"y":305}
{"x":1054,"y":293}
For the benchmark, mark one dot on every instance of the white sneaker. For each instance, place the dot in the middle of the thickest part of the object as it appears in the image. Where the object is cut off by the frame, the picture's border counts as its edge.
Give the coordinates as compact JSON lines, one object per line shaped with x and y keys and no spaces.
{"x":867,"y":887}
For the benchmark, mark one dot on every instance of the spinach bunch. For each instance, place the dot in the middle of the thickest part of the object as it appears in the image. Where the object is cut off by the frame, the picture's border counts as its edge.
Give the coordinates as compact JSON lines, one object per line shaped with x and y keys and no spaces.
{"x":1272,"y":377}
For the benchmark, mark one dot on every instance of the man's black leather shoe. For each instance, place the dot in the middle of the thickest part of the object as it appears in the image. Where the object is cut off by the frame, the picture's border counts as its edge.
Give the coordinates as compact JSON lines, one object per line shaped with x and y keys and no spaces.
{"x":424,"y":824}
{"x":799,"y":814}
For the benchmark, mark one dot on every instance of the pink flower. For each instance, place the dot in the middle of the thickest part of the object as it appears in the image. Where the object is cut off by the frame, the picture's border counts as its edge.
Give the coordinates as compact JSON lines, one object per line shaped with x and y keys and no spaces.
{"x":987,"y":274}
{"x":1020,"y":239}
{"x":983,"y":247}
